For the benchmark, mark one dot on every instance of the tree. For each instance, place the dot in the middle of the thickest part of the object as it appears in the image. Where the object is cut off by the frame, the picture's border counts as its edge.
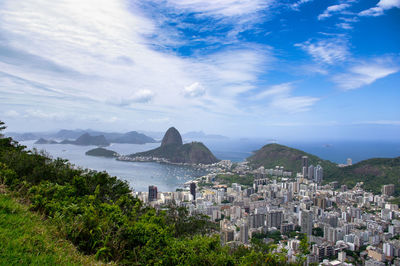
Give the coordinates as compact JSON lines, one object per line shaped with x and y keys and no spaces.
{"x":2,"y":127}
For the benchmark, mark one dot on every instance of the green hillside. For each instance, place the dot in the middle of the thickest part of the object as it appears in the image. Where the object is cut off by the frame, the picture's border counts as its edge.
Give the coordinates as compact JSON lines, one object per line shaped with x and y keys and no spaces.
{"x":25,"y":238}
{"x":272,"y":155}
{"x":373,"y":172}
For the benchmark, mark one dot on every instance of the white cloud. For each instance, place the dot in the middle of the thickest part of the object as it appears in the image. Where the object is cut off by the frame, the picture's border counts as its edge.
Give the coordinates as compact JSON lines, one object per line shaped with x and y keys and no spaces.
{"x":327,"y":51}
{"x":194,"y":90}
{"x":363,"y":74}
{"x":380,"y":8}
{"x":344,"y":25}
{"x":141,"y":96}
{"x":11,"y":114}
{"x":331,"y":10}
{"x":279,"y":97}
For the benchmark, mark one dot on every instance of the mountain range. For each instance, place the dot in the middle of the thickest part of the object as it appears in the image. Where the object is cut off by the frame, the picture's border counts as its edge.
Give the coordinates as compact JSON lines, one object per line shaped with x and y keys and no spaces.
{"x":83,"y":137}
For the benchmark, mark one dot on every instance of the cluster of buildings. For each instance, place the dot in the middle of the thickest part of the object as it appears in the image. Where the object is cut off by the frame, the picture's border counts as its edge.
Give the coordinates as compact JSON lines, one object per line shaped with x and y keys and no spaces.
{"x":343,"y":227}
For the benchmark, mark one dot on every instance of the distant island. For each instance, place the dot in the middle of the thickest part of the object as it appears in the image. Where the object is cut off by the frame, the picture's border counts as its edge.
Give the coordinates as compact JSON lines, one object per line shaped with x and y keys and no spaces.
{"x":173,"y":150}
{"x":101,"y":152}
{"x":86,"y":140}
{"x":45,"y":141}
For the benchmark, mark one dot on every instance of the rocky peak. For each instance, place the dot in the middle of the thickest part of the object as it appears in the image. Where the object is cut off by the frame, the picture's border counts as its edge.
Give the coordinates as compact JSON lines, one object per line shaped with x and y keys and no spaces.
{"x":172,"y":136}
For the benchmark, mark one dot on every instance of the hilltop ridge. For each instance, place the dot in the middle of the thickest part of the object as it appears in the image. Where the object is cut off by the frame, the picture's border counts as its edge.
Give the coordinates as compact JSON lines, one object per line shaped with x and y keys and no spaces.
{"x":373,"y":172}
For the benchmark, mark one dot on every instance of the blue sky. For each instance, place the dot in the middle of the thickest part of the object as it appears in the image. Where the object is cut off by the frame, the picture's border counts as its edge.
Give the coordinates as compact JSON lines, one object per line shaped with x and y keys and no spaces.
{"x":306,"y":69}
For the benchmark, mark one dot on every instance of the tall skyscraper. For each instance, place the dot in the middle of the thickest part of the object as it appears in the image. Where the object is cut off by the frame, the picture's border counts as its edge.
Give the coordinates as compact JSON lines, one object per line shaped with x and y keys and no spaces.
{"x":306,"y":222}
{"x":304,"y":165}
{"x":193,"y":190}
{"x":318,"y":174}
{"x":152,"y":193}
{"x":274,"y":219}
{"x":244,"y":233}
{"x":310,"y":174}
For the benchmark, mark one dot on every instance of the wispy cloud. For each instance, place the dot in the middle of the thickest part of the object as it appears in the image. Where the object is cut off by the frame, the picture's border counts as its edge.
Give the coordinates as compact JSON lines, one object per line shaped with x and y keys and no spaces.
{"x":380,"y":8}
{"x":329,"y":51}
{"x":221,"y":8}
{"x":279,"y":97}
{"x":363,"y":74}
{"x":298,"y":4}
{"x":380,"y":122}
{"x":332,"y":10}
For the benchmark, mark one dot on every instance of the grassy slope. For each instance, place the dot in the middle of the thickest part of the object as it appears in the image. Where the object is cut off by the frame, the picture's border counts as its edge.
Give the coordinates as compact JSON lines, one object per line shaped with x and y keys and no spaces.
{"x":26,"y":239}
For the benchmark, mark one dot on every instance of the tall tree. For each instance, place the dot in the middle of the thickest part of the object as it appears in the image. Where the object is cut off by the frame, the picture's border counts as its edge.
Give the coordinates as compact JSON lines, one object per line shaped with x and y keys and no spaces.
{"x":2,"y":127}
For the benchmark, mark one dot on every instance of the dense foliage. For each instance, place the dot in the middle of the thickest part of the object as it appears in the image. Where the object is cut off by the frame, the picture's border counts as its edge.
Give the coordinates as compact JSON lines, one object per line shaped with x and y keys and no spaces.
{"x":26,"y":239}
{"x":99,"y":215}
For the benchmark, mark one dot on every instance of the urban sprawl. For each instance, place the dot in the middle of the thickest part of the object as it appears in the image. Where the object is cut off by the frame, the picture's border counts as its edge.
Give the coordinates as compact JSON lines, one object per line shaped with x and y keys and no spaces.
{"x":343,"y":226}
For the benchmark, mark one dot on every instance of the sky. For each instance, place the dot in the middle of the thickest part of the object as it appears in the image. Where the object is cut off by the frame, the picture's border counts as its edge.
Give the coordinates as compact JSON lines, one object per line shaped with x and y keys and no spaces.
{"x":305,"y":69}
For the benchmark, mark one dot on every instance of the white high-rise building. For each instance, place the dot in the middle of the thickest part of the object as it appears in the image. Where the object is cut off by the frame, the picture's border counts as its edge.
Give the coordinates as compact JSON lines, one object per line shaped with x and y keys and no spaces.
{"x":318,"y":174}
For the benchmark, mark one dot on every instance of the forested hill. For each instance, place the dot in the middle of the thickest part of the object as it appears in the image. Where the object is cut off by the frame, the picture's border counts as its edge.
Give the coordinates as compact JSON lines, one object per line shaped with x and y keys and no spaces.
{"x":374,"y":172}
{"x":274,"y":154}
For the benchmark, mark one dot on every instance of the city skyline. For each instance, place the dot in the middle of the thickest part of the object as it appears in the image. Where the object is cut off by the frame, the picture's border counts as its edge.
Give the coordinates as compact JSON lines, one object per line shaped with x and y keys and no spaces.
{"x":292,"y":69}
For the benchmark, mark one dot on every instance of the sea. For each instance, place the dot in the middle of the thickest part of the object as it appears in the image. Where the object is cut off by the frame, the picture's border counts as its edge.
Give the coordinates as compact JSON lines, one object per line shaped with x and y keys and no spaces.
{"x":167,"y":177}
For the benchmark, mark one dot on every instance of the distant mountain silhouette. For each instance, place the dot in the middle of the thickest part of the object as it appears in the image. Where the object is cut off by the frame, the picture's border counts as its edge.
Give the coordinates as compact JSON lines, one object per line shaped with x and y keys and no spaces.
{"x":45,"y":141}
{"x":86,"y":140}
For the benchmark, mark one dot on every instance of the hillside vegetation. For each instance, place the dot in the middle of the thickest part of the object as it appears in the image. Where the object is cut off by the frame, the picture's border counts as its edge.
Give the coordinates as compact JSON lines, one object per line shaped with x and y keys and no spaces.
{"x":26,"y":239}
{"x":373,"y":172}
